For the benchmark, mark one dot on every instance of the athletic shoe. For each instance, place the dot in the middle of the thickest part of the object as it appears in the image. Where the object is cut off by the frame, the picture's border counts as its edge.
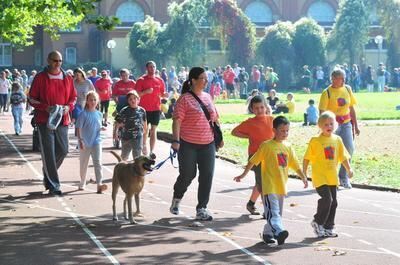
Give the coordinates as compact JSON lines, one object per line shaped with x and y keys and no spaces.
{"x":319,"y":230}
{"x":55,"y":192}
{"x":174,"y":209}
{"x":281,"y":237}
{"x":267,"y":239}
{"x":330,"y":233}
{"x":203,"y":215}
{"x":252,"y":209}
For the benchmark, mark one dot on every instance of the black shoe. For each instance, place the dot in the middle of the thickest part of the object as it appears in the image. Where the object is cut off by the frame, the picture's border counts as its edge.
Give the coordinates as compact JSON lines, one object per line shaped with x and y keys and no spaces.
{"x":252,"y":209}
{"x":268,"y":239}
{"x":281,"y":237}
{"x":55,"y":192}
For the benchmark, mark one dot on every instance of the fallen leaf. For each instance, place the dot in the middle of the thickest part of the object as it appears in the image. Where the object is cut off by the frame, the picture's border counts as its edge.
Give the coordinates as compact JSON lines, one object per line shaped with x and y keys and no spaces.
{"x":227,"y":234}
{"x":322,"y":249}
{"x":293,"y":204}
{"x":339,"y":253}
{"x":150,"y":181}
{"x":355,"y":222}
{"x":321,"y":243}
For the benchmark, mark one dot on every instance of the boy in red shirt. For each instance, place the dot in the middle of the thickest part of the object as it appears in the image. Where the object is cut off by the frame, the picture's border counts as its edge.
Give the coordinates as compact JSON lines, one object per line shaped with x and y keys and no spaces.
{"x":103,"y":88}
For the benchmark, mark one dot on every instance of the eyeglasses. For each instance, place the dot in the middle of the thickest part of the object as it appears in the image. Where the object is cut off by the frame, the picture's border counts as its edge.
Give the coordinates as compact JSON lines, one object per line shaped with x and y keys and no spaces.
{"x":56,"y":61}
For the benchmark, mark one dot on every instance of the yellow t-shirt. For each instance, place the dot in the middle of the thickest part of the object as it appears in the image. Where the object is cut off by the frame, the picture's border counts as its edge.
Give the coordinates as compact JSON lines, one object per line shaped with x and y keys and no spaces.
{"x":276,"y":158}
{"x":339,"y":101}
{"x":291,"y":106}
{"x":325,"y":154}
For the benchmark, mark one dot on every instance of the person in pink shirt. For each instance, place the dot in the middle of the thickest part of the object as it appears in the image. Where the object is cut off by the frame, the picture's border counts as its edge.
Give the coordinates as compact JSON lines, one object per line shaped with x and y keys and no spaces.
{"x":229,"y":79}
{"x":103,"y":88}
{"x":193,"y":138}
{"x":255,"y":77}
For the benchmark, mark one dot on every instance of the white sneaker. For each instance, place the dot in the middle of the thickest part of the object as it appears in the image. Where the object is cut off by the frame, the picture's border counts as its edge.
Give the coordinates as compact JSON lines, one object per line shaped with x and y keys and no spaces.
{"x":330,"y":233}
{"x":319,"y":230}
{"x":203,"y":215}
{"x":174,"y":209}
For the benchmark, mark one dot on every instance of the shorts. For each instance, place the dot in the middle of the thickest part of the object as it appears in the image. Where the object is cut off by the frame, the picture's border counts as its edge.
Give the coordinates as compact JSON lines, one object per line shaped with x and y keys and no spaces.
{"x":104,"y":106}
{"x":153,"y":117}
{"x":257,"y":174}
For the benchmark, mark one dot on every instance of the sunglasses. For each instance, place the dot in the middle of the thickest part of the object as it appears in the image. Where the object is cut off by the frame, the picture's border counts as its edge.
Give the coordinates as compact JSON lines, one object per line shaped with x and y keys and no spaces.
{"x":56,"y":61}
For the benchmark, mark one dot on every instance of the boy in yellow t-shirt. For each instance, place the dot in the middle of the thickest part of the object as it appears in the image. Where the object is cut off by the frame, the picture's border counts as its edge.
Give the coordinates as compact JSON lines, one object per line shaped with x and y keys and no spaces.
{"x":276,"y":157}
{"x":325,"y":152}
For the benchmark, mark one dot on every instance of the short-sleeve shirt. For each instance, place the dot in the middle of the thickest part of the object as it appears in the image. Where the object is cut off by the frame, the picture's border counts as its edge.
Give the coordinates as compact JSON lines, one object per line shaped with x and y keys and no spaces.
{"x":325,"y":154}
{"x":312,"y":114}
{"x":150,"y":102}
{"x":90,"y":124}
{"x":122,"y":88}
{"x":291,"y":106}
{"x":17,"y":98}
{"x":133,"y":120}
{"x":195,"y":127}
{"x":81,"y":90}
{"x":276,"y":158}
{"x":258,"y":130}
{"x":103,"y":88}
{"x":338,"y":101}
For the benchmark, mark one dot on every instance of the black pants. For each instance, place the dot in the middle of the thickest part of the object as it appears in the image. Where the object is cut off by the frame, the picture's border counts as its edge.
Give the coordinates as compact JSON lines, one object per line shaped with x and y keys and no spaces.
{"x":190,"y":157}
{"x":327,"y":205}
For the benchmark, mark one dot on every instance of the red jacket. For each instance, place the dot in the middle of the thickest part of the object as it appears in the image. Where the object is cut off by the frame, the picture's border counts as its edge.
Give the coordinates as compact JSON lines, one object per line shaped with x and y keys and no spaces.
{"x":47,"y":92}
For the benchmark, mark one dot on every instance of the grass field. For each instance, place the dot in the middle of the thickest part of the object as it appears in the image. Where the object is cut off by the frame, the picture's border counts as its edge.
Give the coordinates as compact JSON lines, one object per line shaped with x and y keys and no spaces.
{"x":377,"y":149}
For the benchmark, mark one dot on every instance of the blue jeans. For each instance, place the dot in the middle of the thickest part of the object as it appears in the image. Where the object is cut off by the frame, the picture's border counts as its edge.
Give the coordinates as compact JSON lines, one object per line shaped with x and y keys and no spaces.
{"x":54,"y":148}
{"x":3,"y":102}
{"x":345,"y":131}
{"x":273,"y":206}
{"x":191,"y":156}
{"x":17,"y":114}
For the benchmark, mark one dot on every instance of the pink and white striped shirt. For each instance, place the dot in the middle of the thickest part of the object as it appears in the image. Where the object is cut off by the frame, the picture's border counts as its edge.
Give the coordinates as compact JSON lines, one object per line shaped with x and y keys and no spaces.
{"x":194,"y":125}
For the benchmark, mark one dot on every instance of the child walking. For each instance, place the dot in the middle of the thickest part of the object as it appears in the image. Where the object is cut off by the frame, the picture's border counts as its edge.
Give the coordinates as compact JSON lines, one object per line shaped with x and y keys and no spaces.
{"x":132,"y":119}
{"x":89,"y":125}
{"x":276,"y":157}
{"x":325,"y":152}
{"x":17,"y":99}
{"x":257,"y":129}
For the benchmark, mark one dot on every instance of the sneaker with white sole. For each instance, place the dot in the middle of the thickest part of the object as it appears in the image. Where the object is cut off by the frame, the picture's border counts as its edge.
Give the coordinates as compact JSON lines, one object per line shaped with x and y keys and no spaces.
{"x":281,"y":237}
{"x":319,"y":230}
{"x":330,"y":233}
{"x":174,"y":209}
{"x":203,"y":215}
{"x":268,"y":239}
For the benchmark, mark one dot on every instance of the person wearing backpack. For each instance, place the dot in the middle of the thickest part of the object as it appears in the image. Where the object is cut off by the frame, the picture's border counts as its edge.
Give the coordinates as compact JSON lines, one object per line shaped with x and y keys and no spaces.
{"x":339,"y":99}
{"x":17,"y":100}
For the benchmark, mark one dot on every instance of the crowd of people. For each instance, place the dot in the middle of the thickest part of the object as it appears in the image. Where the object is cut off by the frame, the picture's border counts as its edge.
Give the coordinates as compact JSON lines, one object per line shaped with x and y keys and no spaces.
{"x":61,"y":98}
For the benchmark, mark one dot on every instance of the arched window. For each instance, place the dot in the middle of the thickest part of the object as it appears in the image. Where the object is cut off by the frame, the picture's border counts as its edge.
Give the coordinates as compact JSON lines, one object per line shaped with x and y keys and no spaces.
{"x":322,"y":12}
{"x":259,"y":13}
{"x":130,"y":12}
{"x":70,"y":55}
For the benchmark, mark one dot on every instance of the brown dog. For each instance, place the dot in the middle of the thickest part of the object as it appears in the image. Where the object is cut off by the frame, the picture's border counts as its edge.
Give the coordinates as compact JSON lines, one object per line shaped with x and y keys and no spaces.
{"x":130,"y":176}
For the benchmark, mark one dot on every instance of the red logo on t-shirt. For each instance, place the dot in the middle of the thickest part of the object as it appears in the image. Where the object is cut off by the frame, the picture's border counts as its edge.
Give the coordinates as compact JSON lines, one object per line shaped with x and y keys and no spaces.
{"x":341,"y":102}
{"x":329,"y":152}
{"x":282,"y":160}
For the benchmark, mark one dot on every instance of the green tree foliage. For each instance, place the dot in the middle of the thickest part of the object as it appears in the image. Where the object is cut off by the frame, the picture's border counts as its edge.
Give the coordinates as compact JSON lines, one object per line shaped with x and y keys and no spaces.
{"x":20,"y":18}
{"x":276,"y":50}
{"x":389,"y":13}
{"x":350,"y":31}
{"x":145,"y":44}
{"x":309,"y":43}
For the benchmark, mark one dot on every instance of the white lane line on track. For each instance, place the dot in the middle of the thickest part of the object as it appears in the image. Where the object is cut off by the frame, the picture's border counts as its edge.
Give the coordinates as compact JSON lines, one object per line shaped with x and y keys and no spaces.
{"x":383,"y":251}
{"x":365,"y":242}
{"x":213,"y":232}
{"x":347,"y":235}
{"x":77,"y":220}
{"x":390,"y":252}
{"x":302,"y":216}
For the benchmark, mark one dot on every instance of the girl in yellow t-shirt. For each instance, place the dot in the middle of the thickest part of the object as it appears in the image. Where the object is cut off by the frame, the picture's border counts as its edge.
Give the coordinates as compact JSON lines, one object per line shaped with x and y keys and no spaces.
{"x":325,"y":152}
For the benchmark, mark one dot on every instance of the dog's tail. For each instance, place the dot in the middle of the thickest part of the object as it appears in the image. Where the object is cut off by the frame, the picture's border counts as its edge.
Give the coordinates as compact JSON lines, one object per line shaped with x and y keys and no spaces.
{"x":116,"y":155}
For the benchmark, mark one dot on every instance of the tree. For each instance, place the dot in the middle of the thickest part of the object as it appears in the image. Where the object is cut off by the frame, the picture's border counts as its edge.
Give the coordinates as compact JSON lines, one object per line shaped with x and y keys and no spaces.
{"x":20,"y":18}
{"x":351,"y":29}
{"x":309,"y":43}
{"x":389,"y":13}
{"x":145,"y":44}
{"x":276,"y":50}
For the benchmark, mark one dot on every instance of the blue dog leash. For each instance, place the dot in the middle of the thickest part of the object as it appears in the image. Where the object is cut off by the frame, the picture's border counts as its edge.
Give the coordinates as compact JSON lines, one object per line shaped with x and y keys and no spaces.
{"x":172,"y":155}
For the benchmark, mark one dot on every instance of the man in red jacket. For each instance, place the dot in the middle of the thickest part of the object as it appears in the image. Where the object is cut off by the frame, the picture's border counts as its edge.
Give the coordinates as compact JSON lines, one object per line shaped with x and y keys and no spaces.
{"x":49,"y":88}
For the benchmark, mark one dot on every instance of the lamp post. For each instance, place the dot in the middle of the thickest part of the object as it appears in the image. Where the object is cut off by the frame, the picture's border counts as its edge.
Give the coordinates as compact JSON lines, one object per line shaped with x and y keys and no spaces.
{"x":379,"y":40}
{"x":111,"y":45}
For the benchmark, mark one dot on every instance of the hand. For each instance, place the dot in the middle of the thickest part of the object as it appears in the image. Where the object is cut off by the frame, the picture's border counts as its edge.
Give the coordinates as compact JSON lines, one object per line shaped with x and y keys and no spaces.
{"x":81,"y":144}
{"x":175,"y":146}
{"x":238,"y":178}
{"x":144,"y":150}
{"x":350,"y":173}
{"x":221,"y":144}
{"x":357,"y":131}
{"x":65,"y":109}
{"x":305,"y":181}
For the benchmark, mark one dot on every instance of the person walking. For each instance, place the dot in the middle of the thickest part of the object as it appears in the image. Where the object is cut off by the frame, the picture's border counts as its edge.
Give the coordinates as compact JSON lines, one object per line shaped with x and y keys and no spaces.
{"x":52,"y":88}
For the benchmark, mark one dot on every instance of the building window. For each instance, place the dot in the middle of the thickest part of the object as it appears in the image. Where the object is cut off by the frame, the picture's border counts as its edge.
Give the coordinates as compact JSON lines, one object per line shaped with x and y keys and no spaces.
{"x":373,"y":16}
{"x":322,"y":12}
{"x":130,"y":12}
{"x":77,"y":29}
{"x":259,"y":13}
{"x":371,"y":45}
{"x":5,"y":54}
{"x":70,"y":55}
{"x":38,"y":57}
{"x":213,"y":45}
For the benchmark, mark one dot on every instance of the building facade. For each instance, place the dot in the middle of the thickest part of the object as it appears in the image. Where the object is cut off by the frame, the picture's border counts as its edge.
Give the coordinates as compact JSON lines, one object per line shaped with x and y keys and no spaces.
{"x":87,"y":44}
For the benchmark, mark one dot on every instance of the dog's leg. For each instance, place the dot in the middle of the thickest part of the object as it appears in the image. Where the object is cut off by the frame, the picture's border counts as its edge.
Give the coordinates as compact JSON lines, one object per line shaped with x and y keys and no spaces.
{"x":137,"y":201}
{"x":125,"y":212}
{"x":115,"y":186}
{"x":129,"y":198}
